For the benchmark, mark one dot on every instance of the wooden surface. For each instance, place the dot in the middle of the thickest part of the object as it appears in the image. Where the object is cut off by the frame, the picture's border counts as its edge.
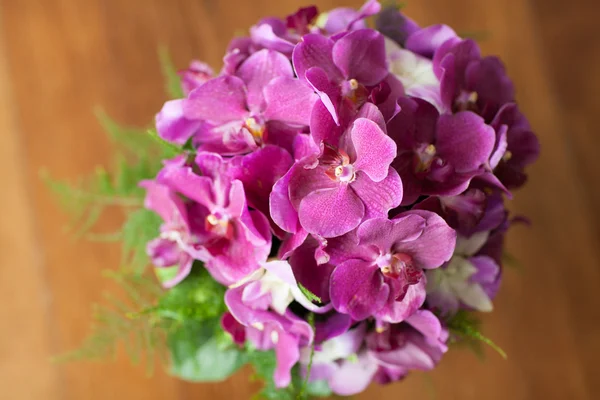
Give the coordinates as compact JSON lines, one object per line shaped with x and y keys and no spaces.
{"x":60,"y":58}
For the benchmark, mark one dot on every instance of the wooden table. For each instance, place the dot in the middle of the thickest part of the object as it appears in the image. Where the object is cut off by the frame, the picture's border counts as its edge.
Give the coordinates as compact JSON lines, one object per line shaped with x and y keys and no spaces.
{"x":60,"y":58}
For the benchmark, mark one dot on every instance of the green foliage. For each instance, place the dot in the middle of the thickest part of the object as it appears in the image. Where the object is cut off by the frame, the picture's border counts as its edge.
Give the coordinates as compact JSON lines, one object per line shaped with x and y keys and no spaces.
{"x":198,"y":354}
{"x":87,"y":199}
{"x":393,"y":4}
{"x":510,"y":260}
{"x":139,"y":156}
{"x":200,"y":350}
{"x":478,"y":36}
{"x":465,"y":329}
{"x":197,"y":298}
{"x":139,"y":228}
{"x":318,"y":389}
{"x":308,"y":294}
{"x":311,"y":321}
{"x":142,"y":335}
{"x":172,"y":80}
{"x":264,"y":363}
{"x":182,"y":322}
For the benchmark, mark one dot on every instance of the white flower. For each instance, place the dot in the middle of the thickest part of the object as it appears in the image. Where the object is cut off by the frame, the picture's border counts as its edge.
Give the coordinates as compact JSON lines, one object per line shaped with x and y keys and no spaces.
{"x":453,"y":282}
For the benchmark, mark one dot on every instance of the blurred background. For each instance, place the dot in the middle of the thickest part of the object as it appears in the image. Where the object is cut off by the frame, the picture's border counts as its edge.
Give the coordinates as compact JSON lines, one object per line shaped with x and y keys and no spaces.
{"x":61,"y":58}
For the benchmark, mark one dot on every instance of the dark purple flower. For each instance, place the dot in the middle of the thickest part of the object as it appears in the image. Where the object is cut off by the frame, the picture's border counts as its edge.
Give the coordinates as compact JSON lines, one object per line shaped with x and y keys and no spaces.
{"x":469,"y":82}
{"x":302,"y":19}
{"x":522,"y":146}
{"x":469,"y":212}
{"x":379,"y":269}
{"x":259,"y":171}
{"x":351,"y":361}
{"x":308,"y":271}
{"x":392,"y":23}
{"x":438,"y":154}
{"x":417,"y":344}
{"x":427,"y":40}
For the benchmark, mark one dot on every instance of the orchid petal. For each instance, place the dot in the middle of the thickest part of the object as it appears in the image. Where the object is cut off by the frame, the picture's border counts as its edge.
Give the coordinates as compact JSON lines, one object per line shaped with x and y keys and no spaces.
{"x":331,"y":212}
{"x":221,"y":99}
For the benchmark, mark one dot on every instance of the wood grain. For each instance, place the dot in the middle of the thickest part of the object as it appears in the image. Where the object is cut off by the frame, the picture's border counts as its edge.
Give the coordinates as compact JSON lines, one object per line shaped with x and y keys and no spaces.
{"x":60,"y":58}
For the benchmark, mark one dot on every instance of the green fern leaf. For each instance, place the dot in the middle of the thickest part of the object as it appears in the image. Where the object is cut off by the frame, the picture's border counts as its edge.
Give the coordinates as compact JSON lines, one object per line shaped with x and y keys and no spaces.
{"x":172,"y":79}
{"x":466,"y":329}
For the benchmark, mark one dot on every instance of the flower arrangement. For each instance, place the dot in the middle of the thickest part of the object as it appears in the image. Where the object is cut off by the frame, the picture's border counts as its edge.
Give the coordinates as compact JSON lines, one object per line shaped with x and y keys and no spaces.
{"x":329,"y":207}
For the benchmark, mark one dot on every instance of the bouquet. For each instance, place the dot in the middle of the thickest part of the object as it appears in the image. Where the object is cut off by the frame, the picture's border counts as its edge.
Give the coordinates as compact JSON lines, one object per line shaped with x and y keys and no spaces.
{"x":329,"y":207}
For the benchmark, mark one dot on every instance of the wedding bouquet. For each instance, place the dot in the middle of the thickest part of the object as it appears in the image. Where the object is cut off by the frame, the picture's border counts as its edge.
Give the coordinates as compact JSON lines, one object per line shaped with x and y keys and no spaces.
{"x":331,"y":202}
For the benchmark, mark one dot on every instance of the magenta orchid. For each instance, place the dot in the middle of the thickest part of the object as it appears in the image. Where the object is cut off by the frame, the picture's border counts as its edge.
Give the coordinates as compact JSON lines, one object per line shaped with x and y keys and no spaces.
{"x":234,"y":114}
{"x":438,"y":154}
{"x":346,"y":186}
{"x":349,"y":180}
{"x":340,"y":71}
{"x":237,"y":239}
{"x":380,"y":269}
{"x":177,"y":244}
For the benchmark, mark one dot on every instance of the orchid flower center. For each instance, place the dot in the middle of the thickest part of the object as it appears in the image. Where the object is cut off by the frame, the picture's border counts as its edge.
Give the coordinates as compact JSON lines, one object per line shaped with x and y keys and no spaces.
{"x":175,"y":232}
{"x":507,"y":156}
{"x":173,"y":236}
{"x":354,"y":91}
{"x":344,"y":173}
{"x":400,"y":266}
{"x":424,"y":157}
{"x":338,"y":164}
{"x":218,"y":223}
{"x":466,"y":101}
{"x":256,"y":129}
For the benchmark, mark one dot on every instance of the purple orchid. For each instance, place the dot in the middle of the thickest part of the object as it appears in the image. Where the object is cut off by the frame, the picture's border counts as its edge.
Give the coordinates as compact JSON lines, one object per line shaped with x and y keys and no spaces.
{"x":197,"y":74}
{"x":330,"y":194}
{"x":469,"y":82}
{"x":472,"y":277}
{"x":283,"y":35}
{"x":393,"y":24}
{"x":258,"y":171}
{"x":438,"y":154}
{"x":311,"y":267}
{"x":350,"y":177}
{"x":351,"y":361}
{"x":178,"y":244}
{"x":235,"y":114}
{"x":522,"y":146}
{"x":379,"y":268}
{"x":237,"y":239}
{"x":468,"y":213}
{"x":344,"y":19}
{"x":260,"y":303}
{"x":336,"y":361}
{"x":415,"y":72}
{"x":426,"y":41}
{"x":340,"y":71}
{"x":417,"y":344}
{"x":468,"y":280}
